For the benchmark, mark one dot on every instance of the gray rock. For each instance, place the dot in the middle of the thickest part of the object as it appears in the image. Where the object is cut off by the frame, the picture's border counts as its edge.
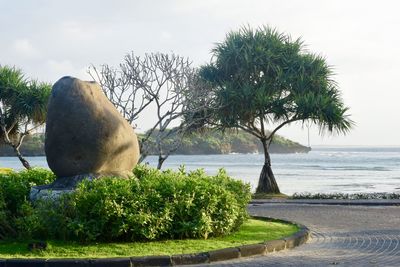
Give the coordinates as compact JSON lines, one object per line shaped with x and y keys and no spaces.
{"x":51,"y":194}
{"x":62,"y":185}
{"x":86,"y":135}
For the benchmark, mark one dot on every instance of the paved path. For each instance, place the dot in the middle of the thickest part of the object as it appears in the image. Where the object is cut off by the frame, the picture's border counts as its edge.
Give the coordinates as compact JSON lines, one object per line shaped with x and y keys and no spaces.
{"x":341,"y":236}
{"x":351,"y":202}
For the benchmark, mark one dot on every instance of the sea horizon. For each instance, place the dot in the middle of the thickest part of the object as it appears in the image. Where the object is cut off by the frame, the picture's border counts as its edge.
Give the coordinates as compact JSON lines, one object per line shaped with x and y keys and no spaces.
{"x":325,"y":169}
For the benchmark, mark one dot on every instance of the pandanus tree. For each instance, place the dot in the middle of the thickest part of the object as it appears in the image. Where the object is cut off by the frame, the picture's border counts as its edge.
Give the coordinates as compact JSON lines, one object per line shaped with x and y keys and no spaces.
{"x":23,"y":106}
{"x":262,"y":79}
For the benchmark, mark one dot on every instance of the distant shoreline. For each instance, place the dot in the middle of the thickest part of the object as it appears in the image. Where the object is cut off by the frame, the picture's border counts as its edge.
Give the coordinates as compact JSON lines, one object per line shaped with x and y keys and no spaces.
{"x":206,"y":143}
{"x":44,"y":155}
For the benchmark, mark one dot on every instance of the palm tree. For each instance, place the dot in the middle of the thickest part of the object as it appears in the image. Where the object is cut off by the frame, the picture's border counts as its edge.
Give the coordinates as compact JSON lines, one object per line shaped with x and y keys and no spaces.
{"x":263,"y":79}
{"x":23,"y":106}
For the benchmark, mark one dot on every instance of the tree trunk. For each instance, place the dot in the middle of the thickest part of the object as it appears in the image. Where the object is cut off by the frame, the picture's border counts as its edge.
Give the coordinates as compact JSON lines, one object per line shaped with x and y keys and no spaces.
{"x":141,"y":158}
{"x":267,"y":183}
{"x":161,"y":160}
{"x":22,"y":159}
{"x":16,"y":147}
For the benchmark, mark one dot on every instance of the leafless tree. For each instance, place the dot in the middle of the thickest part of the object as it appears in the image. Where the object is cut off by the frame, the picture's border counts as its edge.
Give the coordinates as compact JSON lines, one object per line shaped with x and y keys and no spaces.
{"x":159,"y":82}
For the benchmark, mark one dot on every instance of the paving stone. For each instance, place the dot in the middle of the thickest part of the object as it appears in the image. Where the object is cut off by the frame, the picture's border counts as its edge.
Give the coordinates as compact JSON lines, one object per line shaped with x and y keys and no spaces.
{"x":341,"y":235}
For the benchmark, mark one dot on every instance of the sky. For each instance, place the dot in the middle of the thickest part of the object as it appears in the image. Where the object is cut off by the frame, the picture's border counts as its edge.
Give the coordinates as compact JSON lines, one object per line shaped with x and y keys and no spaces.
{"x":49,"y":39}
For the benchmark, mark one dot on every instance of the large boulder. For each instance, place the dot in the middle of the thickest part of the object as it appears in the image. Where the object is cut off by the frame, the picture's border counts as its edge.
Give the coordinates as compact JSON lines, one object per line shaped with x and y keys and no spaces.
{"x":85,"y":133}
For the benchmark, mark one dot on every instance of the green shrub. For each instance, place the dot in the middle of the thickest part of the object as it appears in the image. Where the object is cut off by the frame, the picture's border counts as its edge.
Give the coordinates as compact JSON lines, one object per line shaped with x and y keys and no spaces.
{"x":14,"y":195}
{"x":15,"y":186}
{"x":158,"y":205}
{"x":151,"y":205}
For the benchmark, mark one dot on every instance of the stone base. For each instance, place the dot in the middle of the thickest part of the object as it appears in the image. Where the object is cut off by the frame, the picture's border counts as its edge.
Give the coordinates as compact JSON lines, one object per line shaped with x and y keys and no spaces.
{"x":46,"y":194}
{"x":62,"y":185}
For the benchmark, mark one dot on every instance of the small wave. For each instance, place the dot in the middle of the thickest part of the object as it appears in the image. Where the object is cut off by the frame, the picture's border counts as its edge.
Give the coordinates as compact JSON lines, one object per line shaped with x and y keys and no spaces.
{"x":354,"y":185}
{"x":356,"y":168}
{"x":332,"y":168}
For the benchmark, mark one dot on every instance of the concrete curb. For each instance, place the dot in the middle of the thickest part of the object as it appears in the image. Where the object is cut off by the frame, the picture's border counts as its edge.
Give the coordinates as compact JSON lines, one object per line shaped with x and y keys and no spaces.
{"x":267,"y":247}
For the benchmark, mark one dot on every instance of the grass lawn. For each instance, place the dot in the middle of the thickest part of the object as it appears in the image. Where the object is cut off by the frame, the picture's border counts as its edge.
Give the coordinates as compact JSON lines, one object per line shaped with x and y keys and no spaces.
{"x":253,"y":231}
{"x":5,"y":170}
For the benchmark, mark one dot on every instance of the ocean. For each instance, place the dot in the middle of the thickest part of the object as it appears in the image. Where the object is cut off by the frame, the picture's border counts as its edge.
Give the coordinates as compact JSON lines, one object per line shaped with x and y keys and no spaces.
{"x":323,"y":170}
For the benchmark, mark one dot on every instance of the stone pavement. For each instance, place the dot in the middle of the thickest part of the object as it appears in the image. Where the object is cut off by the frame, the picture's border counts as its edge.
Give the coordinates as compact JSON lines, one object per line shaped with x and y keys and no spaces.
{"x":342,"y":235}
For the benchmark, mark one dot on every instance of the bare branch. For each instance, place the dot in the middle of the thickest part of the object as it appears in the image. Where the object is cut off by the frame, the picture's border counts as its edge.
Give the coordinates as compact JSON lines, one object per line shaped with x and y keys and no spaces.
{"x":160,"y":81}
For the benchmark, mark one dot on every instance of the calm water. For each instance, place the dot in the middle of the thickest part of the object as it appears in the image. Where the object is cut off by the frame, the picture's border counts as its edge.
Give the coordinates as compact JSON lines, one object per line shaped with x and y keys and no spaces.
{"x":323,"y":170}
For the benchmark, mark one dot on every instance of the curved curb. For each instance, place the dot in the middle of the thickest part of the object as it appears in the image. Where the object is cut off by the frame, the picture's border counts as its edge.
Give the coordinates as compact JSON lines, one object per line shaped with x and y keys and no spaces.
{"x":264,"y":248}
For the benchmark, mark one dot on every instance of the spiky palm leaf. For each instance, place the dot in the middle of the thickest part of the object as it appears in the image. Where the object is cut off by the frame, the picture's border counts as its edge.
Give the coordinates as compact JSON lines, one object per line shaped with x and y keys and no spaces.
{"x":265,"y":74}
{"x":21,"y":101}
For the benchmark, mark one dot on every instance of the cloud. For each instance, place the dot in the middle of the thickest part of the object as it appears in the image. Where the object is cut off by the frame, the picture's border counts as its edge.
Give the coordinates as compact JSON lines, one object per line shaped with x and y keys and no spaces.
{"x":60,"y":68}
{"x":166,"y":36}
{"x":77,"y":31}
{"x":25,"y":49}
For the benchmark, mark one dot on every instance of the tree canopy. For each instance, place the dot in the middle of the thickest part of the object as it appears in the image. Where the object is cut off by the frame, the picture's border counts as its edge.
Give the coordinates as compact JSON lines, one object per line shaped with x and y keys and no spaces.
{"x":265,"y":76}
{"x":23,"y":107}
{"x":262,"y":78}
